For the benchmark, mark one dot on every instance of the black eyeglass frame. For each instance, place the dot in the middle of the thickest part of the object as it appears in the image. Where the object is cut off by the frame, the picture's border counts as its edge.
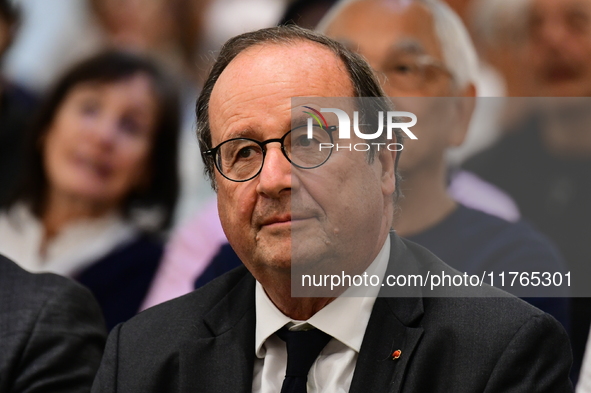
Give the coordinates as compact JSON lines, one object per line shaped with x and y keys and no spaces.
{"x":213,"y":151}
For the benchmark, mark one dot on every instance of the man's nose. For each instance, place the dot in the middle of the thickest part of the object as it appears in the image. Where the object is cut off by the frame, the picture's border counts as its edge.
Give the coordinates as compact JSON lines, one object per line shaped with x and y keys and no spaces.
{"x":275,"y":177}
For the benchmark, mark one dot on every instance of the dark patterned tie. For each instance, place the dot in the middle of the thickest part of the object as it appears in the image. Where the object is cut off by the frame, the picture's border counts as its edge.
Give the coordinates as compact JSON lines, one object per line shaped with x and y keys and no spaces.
{"x":303,"y":347}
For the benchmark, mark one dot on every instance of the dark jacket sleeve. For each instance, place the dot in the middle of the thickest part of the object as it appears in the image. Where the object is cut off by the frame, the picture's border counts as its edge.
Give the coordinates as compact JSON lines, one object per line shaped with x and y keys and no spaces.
{"x":537,"y":359}
{"x":64,"y":349}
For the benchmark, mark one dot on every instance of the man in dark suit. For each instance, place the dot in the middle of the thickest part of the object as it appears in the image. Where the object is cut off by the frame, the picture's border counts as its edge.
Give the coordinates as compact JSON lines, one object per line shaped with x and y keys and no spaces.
{"x":284,"y":204}
{"x":52,"y":333}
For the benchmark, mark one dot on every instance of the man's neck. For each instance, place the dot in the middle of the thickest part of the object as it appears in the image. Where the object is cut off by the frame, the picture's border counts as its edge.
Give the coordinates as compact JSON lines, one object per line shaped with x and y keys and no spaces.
{"x":424,"y":204}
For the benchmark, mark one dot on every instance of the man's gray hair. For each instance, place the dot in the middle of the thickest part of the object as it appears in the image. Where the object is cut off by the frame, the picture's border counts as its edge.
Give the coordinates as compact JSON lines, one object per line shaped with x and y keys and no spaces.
{"x":458,"y":50}
{"x":360,"y":73}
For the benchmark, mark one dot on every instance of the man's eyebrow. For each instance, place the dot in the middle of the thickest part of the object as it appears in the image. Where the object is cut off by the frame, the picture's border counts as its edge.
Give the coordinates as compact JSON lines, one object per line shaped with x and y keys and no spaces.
{"x":299,"y":118}
{"x":243,"y":133}
{"x":408,"y":45}
{"x":300,"y":115}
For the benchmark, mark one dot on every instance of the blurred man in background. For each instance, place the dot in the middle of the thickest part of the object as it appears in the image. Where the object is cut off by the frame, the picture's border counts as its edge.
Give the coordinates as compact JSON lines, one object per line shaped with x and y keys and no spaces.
{"x":560,"y":40}
{"x":421,"y":49}
{"x":544,"y":162}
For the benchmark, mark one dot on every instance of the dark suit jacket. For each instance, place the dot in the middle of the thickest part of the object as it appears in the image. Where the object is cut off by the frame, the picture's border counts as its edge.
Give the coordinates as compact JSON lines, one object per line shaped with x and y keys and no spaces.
{"x":52,"y":333}
{"x":204,"y":342}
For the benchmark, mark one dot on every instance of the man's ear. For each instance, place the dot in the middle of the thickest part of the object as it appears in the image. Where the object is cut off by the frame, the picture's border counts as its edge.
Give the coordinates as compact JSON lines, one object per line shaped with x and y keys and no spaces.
{"x":387,"y":160}
{"x":464,"y":105}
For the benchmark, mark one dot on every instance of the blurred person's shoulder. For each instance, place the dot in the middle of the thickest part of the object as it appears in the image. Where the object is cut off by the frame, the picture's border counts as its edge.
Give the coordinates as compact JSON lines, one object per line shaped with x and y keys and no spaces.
{"x":33,"y":289}
{"x":488,"y":243}
{"x":504,"y":237}
{"x":27,"y":296}
{"x":52,"y":332}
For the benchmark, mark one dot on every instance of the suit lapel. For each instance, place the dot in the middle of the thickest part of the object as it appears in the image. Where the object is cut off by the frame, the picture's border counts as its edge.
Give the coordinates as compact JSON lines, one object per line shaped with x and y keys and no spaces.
{"x":228,"y":354}
{"x":393,"y":326}
{"x":376,"y":370}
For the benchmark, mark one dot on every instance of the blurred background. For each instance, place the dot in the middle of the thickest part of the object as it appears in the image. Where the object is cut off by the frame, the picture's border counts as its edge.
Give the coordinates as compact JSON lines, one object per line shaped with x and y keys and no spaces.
{"x":525,"y":49}
{"x":184,"y":35}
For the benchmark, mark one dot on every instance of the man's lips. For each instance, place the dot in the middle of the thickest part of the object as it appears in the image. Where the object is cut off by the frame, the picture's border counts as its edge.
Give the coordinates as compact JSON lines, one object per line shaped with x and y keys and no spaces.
{"x":280,"y":219}
{"x":285,"y":219}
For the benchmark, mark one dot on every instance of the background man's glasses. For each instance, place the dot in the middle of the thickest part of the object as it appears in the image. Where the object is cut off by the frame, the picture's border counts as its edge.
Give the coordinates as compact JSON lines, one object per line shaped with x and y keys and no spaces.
{"x":242,"y":159}
{"x":411,"y":71}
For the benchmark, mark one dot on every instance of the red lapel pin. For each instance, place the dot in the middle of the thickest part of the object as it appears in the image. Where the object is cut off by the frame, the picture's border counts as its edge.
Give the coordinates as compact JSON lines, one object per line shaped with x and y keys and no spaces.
{"x":396,"y":354}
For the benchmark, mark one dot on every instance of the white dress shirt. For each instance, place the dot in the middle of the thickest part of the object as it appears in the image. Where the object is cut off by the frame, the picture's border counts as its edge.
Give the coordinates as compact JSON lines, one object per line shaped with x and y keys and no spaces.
{"x":344,"y":319}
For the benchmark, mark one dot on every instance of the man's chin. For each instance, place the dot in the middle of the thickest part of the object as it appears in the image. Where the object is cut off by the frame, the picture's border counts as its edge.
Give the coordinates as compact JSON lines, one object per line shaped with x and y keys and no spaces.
{"x":307,"y":251}
{"x":274,"y":250}
{"x":314,"y":257}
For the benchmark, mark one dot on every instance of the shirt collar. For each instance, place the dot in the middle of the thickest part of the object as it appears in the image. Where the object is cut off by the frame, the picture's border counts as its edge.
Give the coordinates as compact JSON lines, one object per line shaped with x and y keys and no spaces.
{"x":345,"y":318}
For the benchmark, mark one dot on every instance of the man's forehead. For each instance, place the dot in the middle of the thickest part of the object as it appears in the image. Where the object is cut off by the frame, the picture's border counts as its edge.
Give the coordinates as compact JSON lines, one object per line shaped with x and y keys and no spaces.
{"x":375,"y":27}
{"x":260,"y":82}
{"x":278,"y":62}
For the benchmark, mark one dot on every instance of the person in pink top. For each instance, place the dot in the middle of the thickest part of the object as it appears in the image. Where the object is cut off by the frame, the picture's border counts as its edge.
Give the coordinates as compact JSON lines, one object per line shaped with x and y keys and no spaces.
{"x":187,"y":255}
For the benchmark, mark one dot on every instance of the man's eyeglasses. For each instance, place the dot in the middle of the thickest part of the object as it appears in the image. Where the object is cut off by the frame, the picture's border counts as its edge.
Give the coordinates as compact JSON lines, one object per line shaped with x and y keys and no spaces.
{"x":242,"y":159}
{"x":409,"y":71}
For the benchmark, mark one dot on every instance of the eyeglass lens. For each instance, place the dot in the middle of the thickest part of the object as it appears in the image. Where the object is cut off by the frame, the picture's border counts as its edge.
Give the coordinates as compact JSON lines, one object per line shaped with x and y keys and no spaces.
{"x":242,"y":159}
